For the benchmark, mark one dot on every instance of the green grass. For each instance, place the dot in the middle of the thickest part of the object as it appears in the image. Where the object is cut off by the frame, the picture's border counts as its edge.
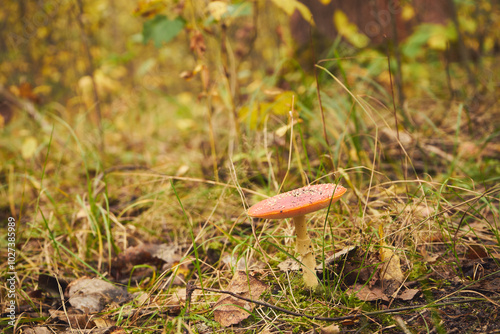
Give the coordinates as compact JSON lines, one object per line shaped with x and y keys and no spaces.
{"x":163,"y":175}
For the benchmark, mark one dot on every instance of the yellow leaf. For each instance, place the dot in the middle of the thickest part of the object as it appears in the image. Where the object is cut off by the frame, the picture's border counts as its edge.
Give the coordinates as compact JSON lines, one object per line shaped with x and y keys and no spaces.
{"x":437,"y":42}
{"x":408,"y":12}
{"x":281,"y":105}
{"x":149,"y":8}
{"x":440,"y":36}
{"x":289,"y":6}
{"x":349,"y":30}
{"x":185,"y":124}
{"x":281,"y":131}
{"x":28,"y":147}
{"x":391,"y":270}
{"x":217,"y":9}
{"x":42,"y":89}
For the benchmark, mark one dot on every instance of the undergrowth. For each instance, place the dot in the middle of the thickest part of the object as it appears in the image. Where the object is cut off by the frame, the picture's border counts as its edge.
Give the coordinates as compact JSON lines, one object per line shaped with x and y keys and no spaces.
{"x":162,"y":172}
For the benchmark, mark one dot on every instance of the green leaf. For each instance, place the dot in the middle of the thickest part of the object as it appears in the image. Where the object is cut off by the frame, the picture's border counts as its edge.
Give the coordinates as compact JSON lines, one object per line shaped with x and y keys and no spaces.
{"x":433,"y":36}
{"x":239,"y":9}
{"x":162,"y":30}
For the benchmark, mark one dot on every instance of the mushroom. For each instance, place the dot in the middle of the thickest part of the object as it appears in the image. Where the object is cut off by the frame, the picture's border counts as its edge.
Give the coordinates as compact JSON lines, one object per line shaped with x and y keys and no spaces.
{"x":296,"y":204}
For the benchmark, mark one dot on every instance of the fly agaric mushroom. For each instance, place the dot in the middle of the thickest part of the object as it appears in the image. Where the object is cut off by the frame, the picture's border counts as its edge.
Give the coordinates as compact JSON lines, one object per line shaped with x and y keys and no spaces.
{"x":296,"y":204}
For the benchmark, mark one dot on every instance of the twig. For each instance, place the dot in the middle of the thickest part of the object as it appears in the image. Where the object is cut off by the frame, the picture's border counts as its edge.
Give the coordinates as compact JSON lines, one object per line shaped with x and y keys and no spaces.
{"x":190,"y":287}
{"x":346,"y":317}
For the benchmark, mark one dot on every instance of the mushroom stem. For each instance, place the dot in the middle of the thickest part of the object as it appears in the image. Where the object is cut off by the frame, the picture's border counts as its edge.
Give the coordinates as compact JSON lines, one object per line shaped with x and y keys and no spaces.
{"x":303,"y":246}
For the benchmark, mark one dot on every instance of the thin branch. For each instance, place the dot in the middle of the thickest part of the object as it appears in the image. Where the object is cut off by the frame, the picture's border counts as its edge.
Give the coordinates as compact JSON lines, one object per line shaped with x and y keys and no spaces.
{"x":346,"y":317}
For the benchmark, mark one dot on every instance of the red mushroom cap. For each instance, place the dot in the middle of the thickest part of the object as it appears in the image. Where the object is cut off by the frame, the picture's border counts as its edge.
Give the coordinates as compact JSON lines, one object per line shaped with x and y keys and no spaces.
{"x":297,"y":202}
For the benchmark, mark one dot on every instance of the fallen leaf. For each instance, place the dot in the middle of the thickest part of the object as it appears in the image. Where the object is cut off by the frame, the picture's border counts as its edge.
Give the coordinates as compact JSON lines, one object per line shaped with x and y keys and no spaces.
{"x":145,"y":254}
{"x":141,"y":298}
{"x":203,"y":328}
{"x":26,"y":92}
{"x":92,"y":295}
{"x":179,"y":296}
{"x":366,"y":294}
{"x":332,"y":329}
{"x":109,"y":330}
{"x":289,"y":265}
{"x":428,"y":257}
{"x":408,"y":294}
{"x":492,"y":284}
{"x":266,"y":331}
{"x":52,"y":285}
{"x":36,"y":294}
{"x":197,"y":43}
{"x":37,"y":330}
{"x":78,"y":320}
{"x":103,"y":322}
{"x":391,"y":269}
{"x":230,"y":310}
{"x":29,"y":147}
{"x":348,"y":322}
{"x":358,"y":268}
{"x":345,"y":251}
{"x":476,"y":252}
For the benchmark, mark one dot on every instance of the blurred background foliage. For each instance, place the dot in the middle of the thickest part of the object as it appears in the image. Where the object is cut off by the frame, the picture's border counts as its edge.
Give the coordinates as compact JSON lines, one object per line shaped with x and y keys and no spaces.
{"x":123,"y":122}
{"x":205,"y":89}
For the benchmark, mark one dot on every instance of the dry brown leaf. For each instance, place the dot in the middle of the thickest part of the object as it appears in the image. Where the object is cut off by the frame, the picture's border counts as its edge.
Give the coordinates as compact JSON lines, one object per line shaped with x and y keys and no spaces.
{"x":289,"y":265}
{"x":428,"y":257}
{"x":476,"y":252}
{"x":109,"y":330}
{"x":92,"y":295}
{"x":197,"y":43}
{"x":342,"y":254}
{"x":231,"y":311}
{"x":408,"y":294}
{"x":179,"y":296}
{"x":104,"y":322}
{"x":366,"y":294}
{"x":26,"y":92}
{"x":74,"y":319}
{"x":142,"y":254}
{"x":52,"y":285}
{"x":37,"y":330}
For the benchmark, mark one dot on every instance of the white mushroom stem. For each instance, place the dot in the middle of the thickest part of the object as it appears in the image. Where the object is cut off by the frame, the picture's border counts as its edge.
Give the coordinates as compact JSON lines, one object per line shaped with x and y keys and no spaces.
{"x":304,"y":247}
